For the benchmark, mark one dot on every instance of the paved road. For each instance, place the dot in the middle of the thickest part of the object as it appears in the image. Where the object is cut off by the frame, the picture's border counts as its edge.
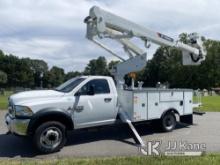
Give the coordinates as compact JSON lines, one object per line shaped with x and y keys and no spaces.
{"x":112,"y":141}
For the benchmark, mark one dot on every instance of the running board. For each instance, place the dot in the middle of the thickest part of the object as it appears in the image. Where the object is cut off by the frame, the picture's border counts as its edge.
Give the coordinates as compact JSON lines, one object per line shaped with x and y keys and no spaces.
{"x":123,"y":116}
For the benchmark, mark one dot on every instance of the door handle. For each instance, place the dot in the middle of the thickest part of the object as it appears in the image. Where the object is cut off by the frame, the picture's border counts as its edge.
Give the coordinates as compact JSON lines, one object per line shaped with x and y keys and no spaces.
{"x":107,"y":100}
{"x":79,"y":108}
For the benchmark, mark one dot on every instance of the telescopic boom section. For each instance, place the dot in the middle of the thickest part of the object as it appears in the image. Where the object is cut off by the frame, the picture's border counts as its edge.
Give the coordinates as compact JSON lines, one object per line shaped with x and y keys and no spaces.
{"x":102,"y":24}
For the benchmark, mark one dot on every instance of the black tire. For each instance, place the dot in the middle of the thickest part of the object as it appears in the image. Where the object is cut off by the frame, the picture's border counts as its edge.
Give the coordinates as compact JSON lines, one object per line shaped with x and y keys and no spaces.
{"x":168,"y":122}
{"x":50,"y":137}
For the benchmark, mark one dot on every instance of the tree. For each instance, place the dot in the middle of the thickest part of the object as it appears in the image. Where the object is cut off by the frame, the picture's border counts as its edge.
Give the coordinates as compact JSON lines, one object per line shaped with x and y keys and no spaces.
{"x":54,"y":77}
{"x":3,"y":77}
{"x":97,"y":67}
{"x":70,"y":75}
{"x":111,"y":64}
{"x":39,"y":67}
{"x":17,"y":70}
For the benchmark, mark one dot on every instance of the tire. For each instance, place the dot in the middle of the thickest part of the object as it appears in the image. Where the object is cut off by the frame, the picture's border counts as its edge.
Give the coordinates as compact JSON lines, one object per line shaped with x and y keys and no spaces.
{"x":50,"y":137}
{"x":168,"y":122}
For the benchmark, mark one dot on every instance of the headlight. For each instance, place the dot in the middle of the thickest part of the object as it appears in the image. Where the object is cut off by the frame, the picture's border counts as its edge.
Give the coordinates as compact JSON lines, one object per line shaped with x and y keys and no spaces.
{"x":23,"y":111}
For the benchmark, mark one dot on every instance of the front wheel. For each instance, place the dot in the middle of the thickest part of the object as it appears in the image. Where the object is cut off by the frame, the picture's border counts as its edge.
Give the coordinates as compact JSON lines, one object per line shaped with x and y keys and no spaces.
{"x":50,"y":137}
{"x":168,"y":122}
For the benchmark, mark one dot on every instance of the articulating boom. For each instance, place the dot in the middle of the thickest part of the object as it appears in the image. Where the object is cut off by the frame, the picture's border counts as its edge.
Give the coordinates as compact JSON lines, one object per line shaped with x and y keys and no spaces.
{"x":102,"y":24}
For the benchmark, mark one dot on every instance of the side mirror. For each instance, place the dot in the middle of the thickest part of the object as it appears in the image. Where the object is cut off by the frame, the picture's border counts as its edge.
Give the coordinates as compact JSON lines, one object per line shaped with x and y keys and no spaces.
{"x":91,"y":91}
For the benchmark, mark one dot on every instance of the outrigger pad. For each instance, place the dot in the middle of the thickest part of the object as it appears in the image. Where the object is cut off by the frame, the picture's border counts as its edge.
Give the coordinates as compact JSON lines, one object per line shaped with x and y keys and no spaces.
{"x":188,"y":119}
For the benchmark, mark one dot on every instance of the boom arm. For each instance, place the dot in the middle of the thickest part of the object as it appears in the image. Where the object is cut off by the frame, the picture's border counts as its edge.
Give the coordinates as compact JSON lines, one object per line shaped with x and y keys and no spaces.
{"x":102,"y":24}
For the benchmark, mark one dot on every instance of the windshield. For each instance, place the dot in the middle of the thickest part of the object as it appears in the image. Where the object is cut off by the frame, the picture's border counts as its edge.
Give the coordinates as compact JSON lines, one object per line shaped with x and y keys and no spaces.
{"x":69,"y":85}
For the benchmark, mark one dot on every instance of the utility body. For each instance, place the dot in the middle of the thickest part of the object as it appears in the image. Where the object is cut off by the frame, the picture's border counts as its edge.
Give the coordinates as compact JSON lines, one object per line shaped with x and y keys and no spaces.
{"x":90,"y":101}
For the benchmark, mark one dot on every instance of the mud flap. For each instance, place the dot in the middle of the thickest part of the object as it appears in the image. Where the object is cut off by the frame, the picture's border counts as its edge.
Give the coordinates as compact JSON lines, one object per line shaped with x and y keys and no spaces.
{"x":198,"y":113}
{"x":188,"y":119}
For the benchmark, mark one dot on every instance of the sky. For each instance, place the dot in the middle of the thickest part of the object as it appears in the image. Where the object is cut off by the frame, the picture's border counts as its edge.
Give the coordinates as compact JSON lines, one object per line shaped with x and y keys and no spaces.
{"x":53,"y":30}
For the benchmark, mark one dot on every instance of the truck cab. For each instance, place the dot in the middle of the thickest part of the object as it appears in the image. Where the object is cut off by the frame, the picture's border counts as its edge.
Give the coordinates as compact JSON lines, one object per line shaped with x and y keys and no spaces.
{"x":81,"y":102}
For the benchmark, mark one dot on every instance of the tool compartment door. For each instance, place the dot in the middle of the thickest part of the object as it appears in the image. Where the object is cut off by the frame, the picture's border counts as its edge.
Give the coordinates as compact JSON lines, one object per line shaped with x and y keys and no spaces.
{"x":188,"y":101}
{"x":171,"y":96}
{"x":153,"y":105}
{"x":140,"y":106}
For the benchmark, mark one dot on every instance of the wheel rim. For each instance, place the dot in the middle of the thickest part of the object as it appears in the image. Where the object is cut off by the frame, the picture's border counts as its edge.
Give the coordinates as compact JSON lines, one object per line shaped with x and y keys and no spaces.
{"x":169,"y":122}
{"x":51,"y":137}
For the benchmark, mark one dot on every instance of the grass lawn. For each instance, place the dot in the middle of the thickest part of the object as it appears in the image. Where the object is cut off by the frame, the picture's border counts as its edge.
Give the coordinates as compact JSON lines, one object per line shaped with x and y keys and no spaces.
{"x":211,"y":104}
{"x":4,"y":100}
{"x":203,"y":160}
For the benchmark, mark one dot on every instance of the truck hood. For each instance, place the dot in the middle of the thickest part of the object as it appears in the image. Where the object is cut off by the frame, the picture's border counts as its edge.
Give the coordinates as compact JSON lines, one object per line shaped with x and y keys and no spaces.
{"x":34,"y":94}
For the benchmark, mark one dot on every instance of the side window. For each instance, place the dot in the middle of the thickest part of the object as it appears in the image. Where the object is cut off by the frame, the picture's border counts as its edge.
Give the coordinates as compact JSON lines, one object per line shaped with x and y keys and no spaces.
{"x":100,"y":87}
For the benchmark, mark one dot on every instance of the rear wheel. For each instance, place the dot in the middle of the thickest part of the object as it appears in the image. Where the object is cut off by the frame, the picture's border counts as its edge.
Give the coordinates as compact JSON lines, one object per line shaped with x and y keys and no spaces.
{"x":50,"y":137}
{"x":168,"y":122}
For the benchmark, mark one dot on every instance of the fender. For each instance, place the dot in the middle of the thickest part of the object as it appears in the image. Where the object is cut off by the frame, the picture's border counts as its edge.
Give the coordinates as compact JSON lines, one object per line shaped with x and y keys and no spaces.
{"x":50,"y":114}
{"x":170,"y":110}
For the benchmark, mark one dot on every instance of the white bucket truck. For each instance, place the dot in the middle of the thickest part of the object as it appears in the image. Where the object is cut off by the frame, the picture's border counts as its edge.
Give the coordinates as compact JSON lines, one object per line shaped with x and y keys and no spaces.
{"x":90,"y":101}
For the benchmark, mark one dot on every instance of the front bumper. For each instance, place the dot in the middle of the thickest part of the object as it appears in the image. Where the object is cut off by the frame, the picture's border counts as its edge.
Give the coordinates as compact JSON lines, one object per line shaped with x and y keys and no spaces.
{"x":17,"y":126}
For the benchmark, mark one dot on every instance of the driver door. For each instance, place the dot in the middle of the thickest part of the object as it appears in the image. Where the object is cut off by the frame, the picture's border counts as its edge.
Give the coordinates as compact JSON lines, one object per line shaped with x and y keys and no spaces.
{"x":95,"y":104}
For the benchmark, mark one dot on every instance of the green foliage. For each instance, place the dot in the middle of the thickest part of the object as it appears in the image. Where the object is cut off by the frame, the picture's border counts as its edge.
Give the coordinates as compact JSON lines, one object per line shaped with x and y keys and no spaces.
{"x":70,"y":75}
{"x":4,"y":100}
{"x":112,"y":64}
{"x":3,"y":77}
{"x":210,"y":104}
{"x":97,"y":67}
{"x":54,"y":77}
{"x":26,"y":72}
{"x":17,"y":70}
{"x":39,"y":68}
